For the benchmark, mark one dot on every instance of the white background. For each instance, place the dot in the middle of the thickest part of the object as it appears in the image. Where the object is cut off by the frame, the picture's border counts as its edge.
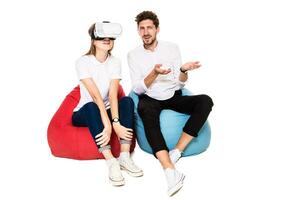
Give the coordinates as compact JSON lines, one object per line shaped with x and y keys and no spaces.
{"x":250,"y":55}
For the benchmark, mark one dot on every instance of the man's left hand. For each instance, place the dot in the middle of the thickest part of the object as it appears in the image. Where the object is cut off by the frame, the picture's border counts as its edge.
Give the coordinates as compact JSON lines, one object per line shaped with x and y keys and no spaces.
{"x":190,"y":66}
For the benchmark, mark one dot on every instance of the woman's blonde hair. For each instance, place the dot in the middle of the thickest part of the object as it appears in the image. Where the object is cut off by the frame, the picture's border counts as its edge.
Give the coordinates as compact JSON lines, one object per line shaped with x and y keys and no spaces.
{"x":92,"y":50}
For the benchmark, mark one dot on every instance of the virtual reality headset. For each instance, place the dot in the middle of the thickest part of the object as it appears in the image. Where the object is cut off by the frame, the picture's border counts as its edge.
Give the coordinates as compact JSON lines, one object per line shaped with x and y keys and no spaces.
{"x":106,"y":29}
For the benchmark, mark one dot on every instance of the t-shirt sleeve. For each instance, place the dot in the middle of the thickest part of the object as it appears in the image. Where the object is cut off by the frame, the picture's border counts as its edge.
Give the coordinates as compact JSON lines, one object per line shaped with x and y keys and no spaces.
{"x":82,"y":68}
{"x":116,"y":72}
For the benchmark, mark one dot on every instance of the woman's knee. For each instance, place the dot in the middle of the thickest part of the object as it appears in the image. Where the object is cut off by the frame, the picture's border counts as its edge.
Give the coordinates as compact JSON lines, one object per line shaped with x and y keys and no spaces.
{"x":91,"y":107}
{"x":126,"y":102}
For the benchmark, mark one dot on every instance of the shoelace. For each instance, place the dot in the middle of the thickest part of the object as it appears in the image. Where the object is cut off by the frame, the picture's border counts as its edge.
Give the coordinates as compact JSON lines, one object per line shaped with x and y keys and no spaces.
{"x":175,"y":175}
{"x":130,"y":162}
{"x":114,"y":166}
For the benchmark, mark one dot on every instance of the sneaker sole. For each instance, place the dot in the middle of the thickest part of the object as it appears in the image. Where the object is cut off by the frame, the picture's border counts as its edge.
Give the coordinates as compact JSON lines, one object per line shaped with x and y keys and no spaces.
{"x":134,"y":174}
{"x":117,"y":183}
{"x":176,"y":188}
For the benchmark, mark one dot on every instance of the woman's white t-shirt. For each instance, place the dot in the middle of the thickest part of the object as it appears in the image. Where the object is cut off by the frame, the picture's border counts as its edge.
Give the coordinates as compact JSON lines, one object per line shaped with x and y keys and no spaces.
{"x":102,"y":73}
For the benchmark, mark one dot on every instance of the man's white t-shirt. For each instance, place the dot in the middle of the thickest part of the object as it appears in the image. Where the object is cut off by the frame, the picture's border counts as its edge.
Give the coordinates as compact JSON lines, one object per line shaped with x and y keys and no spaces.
{"x":142,"y":61}
{"x":102,"y":73}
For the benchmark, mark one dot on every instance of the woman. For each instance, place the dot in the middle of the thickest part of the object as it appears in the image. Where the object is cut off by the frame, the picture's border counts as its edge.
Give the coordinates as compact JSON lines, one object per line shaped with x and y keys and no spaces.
{"x":99,"y":109}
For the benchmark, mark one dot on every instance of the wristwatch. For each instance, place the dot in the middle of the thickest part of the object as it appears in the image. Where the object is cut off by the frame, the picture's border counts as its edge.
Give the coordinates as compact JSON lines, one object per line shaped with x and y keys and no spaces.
{"x":183,"y":71}
{"x":115,"y":120}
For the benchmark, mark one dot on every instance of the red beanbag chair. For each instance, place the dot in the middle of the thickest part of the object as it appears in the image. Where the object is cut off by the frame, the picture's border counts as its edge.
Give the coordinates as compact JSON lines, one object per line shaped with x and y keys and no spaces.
{"x":68,"y":141}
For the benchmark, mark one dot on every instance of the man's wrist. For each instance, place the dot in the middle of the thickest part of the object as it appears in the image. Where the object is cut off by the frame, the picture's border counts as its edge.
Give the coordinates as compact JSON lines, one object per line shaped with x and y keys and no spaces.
{"x":183,"y":71}
{"x":155,"y":72}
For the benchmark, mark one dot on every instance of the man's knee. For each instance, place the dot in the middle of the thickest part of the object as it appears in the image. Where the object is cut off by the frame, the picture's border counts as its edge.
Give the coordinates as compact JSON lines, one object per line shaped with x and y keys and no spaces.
{"x":205,"y":101}
{"x":144,"y":106}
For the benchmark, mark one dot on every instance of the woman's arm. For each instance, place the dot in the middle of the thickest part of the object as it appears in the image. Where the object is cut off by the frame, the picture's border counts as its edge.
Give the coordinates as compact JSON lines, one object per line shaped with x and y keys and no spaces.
{"x":90,"y":85}
{"x":122,"y":132}
{"x":113,"y":98}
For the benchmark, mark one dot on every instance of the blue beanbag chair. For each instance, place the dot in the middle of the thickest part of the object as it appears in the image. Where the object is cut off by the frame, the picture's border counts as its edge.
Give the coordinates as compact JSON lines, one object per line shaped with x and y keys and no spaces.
{"x":171,"y":124}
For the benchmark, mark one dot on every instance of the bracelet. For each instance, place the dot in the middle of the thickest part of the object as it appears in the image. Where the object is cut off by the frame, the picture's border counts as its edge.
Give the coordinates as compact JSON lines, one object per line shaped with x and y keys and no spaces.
{"x":183,"y":71}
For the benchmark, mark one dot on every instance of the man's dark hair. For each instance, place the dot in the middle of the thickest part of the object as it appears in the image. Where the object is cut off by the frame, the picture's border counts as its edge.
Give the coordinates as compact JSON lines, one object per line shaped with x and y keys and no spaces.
{"x":147,"y":15}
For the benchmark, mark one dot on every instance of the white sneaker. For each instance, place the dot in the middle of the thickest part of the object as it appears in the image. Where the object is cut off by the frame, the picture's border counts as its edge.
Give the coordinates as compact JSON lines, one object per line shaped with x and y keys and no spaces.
{"x":175,"y":155}
{"x":129,"y":166}
{"x":115,"y":174}
{"x":174,"y":180}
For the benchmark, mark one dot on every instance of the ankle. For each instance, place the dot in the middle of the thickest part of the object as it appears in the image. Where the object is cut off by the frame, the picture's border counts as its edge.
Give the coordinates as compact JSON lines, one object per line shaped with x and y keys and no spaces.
{"x":111,"y":161}
{"x":168,"y":166}
{"x":124,"y":155}
{"x":169,"y":169}
{"x":107,"y":154}
{"x":125,"y":147}
{"x":177,"y":150}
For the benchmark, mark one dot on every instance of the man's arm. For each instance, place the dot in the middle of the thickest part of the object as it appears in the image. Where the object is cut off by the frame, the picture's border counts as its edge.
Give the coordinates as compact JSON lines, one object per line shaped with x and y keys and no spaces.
{"x":183,"y":69}
{"x":154,"y":73}
{"x":140,"y":83}
{"x":183,"y":76}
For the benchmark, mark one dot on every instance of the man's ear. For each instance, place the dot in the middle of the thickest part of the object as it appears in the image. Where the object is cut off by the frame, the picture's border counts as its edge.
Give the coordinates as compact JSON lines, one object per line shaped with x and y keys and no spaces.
{"x":138,"y":31}
{"x":158,"y":29}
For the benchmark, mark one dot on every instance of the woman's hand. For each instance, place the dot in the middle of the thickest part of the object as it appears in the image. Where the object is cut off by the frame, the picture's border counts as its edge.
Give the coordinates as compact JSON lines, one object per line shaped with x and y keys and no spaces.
{"x":103,"y":138}
{"x":123,"y":132}
{"x":190,"y":66}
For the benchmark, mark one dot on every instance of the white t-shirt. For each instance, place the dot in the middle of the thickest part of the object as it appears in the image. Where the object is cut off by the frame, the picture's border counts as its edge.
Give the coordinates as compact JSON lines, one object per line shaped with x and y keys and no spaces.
{"x":141,"y":61}
{"x":102,"y":73}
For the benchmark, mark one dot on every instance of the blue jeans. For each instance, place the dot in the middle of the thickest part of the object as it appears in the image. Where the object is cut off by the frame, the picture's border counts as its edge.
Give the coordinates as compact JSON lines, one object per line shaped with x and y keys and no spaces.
{"x":89,"y":116}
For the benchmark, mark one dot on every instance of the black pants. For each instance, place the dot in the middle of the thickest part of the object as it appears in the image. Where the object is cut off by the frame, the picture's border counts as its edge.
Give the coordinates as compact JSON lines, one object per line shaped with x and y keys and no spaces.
{"x":197,"y":106}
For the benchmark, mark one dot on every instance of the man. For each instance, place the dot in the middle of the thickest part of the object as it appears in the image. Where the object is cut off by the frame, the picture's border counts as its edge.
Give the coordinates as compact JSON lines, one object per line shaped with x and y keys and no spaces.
{"x":157,"y":76}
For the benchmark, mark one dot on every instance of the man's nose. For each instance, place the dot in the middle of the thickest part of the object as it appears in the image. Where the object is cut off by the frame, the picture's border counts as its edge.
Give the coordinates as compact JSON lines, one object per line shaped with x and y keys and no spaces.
{"x":146,"y":32}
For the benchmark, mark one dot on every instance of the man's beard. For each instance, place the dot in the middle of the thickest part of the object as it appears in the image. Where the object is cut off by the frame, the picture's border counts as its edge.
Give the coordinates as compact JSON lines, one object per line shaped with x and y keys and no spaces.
{"x":147,"y":44}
